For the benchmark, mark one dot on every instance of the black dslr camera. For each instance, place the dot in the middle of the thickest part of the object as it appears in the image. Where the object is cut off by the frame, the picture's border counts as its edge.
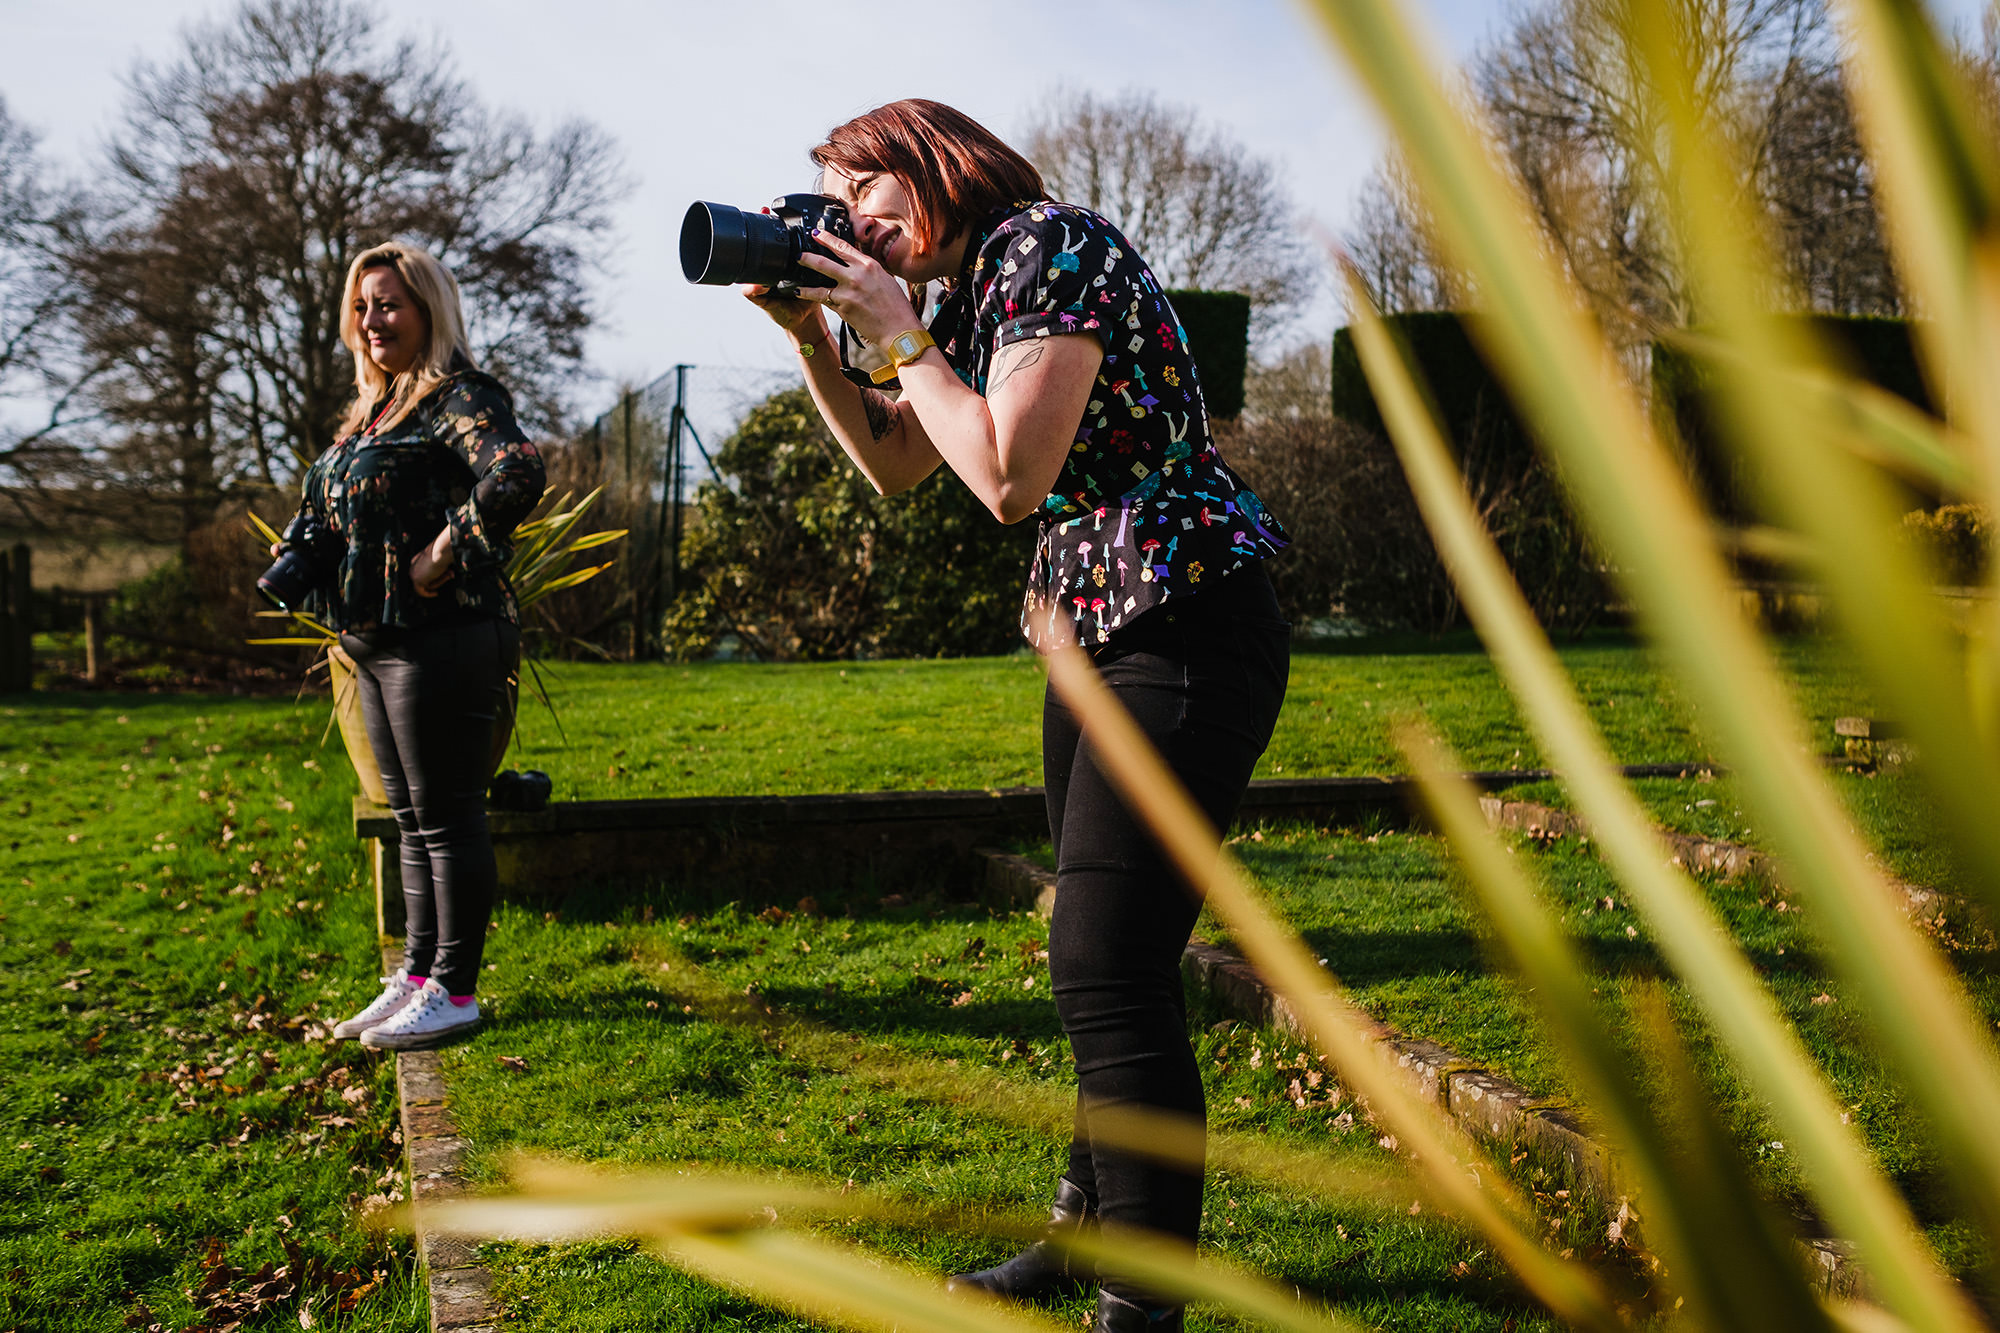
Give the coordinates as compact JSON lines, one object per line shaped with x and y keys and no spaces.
{"x":310,"y":553}
{"x":722,"y":246}
{"x":515,"y":789}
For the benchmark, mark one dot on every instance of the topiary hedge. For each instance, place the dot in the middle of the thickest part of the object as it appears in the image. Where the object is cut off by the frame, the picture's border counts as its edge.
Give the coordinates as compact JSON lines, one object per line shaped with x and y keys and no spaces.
{"x":1875,"y":349}
{"x":1217,"y":325}
{"x":1394,"y":578}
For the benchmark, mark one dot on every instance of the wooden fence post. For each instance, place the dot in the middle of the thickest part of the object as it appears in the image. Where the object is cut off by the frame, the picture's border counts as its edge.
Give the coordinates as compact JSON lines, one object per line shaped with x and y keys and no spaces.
{"x":93,"y":635}
{"x":17,"y":622}
{"x":6,"y":622}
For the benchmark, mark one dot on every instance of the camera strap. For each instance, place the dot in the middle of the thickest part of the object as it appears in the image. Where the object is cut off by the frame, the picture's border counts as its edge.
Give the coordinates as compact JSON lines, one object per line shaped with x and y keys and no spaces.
{"x":386,"y":409}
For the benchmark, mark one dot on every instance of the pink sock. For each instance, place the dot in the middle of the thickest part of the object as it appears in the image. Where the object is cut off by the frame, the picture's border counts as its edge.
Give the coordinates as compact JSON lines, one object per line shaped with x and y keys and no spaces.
{"x":418,"y":981}
{"x":461,"y":1000}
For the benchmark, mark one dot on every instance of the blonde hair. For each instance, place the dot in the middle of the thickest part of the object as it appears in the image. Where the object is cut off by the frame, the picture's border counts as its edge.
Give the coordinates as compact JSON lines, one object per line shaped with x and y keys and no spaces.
{"x":435,"y":291}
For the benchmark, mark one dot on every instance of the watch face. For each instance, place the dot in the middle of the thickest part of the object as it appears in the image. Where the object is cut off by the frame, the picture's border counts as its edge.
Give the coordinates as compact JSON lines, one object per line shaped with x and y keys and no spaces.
{"x":905,"y":345}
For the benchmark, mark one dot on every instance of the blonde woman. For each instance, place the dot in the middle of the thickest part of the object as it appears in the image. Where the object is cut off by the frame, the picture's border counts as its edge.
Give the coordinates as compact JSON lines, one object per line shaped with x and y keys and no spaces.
{"x":425,"y":486}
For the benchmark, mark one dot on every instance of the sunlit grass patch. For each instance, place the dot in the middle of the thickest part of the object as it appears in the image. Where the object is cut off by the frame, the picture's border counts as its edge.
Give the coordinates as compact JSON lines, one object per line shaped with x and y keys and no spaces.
{"x":1384,"y":909}
{"x":180,"y":918}
{"x":886,"y":1033}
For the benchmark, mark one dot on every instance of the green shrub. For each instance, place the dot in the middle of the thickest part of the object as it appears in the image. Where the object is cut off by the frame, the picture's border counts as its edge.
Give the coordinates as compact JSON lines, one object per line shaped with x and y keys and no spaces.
{"x":165,"y":604}
{"x":795,"y":557}
{"x":1217,"y":325}
{"x":1955,"y":540}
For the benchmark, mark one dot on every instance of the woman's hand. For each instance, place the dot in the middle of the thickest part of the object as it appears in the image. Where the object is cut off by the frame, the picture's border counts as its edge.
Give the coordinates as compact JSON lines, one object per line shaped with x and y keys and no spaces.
{"x":801,"y":319}
{"x":866,"y":296}
{"x":433,"y":565}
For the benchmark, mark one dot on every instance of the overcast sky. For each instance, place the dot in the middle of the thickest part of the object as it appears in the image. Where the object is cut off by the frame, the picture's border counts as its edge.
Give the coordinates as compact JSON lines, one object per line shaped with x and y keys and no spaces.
{"x":721,"y":101}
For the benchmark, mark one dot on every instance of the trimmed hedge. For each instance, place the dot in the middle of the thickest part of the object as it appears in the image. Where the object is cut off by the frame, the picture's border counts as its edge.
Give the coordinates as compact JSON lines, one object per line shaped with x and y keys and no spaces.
{"x":1395,"y":578}
{"x":1877,"y":349}
{"x":1217,"y":325}
{"x":1467,"y":396}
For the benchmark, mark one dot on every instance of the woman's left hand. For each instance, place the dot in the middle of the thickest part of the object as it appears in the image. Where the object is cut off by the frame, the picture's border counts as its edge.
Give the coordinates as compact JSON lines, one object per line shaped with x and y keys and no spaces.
{"x":433,"y":565}
{"x":866,"y":296}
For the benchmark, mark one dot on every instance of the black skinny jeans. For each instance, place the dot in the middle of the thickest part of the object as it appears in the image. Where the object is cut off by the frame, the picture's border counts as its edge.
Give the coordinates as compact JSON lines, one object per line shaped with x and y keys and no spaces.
{"x":431,"y":699}
{"x":1204,"y":678}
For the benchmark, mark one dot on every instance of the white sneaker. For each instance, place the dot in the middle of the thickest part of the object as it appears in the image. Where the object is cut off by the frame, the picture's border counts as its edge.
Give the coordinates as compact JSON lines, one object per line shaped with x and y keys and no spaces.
{"x":396,"y":992}
{"x":429,"y":1019}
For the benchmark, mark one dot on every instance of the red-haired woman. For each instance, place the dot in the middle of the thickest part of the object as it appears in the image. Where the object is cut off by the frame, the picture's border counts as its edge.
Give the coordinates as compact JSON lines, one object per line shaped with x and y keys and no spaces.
{"x":1055,"y":380}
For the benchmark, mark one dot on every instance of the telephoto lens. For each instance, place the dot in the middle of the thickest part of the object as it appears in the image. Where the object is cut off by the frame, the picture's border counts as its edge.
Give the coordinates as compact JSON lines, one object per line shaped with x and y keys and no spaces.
{"x":308,"y":554}
{"x":722,"y":246}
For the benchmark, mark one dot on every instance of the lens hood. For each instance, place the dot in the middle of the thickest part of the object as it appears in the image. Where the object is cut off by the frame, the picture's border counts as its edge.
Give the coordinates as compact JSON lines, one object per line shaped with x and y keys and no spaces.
{"x":722,"y":246}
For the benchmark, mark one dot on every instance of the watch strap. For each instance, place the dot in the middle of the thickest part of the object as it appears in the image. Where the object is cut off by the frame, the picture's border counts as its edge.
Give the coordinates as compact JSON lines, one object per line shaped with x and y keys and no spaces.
{"x":901,"y":350}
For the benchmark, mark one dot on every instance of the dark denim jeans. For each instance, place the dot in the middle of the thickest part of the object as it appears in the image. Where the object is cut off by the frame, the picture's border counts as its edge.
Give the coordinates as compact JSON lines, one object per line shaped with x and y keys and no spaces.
{"x":431,"y":699}
{"x":1204,"y":678}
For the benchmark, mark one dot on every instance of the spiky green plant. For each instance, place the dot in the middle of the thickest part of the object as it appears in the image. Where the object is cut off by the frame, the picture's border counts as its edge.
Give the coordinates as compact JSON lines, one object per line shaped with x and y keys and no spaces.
{"x":543,"y":563}
{"x":1817,"y":439}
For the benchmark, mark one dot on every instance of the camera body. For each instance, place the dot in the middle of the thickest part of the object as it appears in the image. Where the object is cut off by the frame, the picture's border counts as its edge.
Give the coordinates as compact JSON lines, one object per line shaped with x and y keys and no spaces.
{"x":514,"y":789}
{"x":722,"y":246}
{"x":311,"y":552}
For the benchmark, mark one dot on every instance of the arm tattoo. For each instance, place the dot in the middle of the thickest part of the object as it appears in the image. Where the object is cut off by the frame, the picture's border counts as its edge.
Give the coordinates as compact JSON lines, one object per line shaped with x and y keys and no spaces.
{"x":1023,"y":355}
{"x":883,"y":414}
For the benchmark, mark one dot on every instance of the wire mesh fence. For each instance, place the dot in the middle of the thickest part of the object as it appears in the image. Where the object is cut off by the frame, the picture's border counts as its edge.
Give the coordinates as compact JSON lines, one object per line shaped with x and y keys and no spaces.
{"x":650,"y":452}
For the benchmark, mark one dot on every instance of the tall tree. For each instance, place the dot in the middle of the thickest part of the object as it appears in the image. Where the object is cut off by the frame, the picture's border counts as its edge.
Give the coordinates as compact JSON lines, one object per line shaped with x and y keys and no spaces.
{"x":1577,"y":125}
{"x":38,"y":371}
{"x":250,"y":171}
{"x":1390,"y":242}
{"x":1204,"y":210}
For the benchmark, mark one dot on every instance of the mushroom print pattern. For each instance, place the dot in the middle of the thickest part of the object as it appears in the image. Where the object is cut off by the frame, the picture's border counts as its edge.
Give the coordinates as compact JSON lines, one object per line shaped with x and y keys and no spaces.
{"x":1144,"y":508}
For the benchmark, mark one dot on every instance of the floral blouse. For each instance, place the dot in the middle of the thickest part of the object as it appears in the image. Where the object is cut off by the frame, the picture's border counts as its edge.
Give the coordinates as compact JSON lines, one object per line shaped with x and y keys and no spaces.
{"x":1144,"y":509}
{"x":457,"y":459}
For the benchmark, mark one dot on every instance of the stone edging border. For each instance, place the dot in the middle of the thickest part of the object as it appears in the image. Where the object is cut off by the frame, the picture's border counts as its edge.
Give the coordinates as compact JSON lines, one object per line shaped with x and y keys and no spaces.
{"x":434,"y":1154}
{"x":1730,"y":860}
{"x":1493,"y":1110}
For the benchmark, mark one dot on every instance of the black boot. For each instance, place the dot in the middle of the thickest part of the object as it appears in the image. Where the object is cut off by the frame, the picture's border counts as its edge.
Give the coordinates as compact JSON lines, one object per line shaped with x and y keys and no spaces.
{"x":1042,"y":1269}
{"x":1115,"y":1314}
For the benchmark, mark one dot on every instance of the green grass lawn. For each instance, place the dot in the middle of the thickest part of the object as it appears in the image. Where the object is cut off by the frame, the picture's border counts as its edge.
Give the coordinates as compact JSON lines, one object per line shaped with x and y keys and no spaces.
{"x":179,"y":909}
{"x":865,"y":1057}
{"x":719,"y":728}
{"x":729,"y":727}
{"x":188,"y":900}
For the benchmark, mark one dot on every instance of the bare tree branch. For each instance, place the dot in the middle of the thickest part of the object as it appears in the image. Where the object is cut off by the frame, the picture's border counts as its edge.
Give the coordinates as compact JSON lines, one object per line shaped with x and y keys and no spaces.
{"x":247,"y":174}
{"x":1202,"y":209}
{"x":1573,"y":120}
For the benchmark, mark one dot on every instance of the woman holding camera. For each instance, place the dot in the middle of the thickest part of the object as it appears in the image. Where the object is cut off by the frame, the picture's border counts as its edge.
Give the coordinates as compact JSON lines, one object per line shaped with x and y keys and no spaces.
{"x":1054,"y":379}
{"x":419,"y":496}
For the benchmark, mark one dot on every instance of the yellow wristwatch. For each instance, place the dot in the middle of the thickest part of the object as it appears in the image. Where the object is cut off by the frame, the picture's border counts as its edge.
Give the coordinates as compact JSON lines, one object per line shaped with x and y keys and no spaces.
{"x":901,"y":350}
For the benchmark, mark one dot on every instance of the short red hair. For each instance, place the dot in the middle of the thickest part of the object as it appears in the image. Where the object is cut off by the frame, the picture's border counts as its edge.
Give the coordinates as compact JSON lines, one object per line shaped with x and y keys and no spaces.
{"x":956,"y":170}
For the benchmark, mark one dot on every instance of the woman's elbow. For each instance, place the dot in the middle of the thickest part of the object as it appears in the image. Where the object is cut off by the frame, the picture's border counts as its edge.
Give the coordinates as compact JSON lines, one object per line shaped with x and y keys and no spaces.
{"x":1011,"y":506}
{"x":884,"y":485}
